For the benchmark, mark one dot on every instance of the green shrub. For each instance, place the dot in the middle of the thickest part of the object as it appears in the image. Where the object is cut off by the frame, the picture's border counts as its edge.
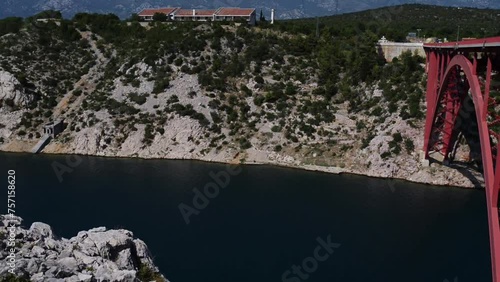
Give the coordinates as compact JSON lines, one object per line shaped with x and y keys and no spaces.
{"x":10,"y":25}
{"x":385,"y":155}
{"x":259,"y":100}
{"x":138,"y":99}
{"x":147,"y":274}
{"x":178,"y":62}
{"x":409,"y":146}
{"x":246,"y":90}
{"x":276,"y":128}
{"x":397,"y":137}
{"x":173,"y":99}
{"x":12,"y":278}
{"x":135,"y":83}
{"x":160,"y":85}
{"x":244,"y":143}
{"x":259,"y":79}
{"x":77,"y":92}
{"x":185,"y":69}
{"x":160,"y":17}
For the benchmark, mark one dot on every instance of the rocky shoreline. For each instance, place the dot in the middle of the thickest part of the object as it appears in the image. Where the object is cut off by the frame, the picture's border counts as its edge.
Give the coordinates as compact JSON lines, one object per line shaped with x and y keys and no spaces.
{"x":92,"y":256}
{"x":435,"y":174}
{"x":185,"y":121}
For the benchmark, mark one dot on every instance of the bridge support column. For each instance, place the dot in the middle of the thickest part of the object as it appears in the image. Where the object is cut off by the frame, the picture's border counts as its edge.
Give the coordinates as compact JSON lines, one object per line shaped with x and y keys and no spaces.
{"x":494,"y":220}
{"x":431,"y":98}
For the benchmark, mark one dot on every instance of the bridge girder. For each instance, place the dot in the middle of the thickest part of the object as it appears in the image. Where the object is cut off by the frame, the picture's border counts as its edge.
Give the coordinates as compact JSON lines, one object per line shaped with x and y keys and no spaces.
{"x":455,"y":71}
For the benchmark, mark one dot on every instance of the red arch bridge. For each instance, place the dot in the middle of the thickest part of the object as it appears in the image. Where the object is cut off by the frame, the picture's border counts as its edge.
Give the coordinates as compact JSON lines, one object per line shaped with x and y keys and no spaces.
{"x":463,"y":107}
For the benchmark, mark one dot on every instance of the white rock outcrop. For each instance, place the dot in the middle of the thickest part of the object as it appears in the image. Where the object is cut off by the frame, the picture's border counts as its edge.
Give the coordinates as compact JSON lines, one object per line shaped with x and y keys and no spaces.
{"x":95,"y":255}
{"x":11,"y":89}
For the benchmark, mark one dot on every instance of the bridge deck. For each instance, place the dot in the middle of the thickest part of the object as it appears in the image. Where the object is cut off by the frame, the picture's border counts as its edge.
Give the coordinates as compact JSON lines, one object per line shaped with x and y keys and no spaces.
{"x":492,"y":42}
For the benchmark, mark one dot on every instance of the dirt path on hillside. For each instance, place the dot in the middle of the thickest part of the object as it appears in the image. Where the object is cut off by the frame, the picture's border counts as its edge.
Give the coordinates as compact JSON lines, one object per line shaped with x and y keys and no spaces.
{"x":86,"y":83}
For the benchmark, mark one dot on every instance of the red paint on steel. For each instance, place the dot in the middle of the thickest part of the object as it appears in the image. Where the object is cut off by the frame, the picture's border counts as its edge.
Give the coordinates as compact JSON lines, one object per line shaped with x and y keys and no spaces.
{"x":487,"y":86}
{"x":452,"y":102}
{"x":430,"y":98}
{"x":476,"y":43}
{"x":445,"y":65}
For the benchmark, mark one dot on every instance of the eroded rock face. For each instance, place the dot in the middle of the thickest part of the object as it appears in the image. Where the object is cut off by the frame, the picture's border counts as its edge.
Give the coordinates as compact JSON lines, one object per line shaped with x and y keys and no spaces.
{"x":12,"y":92}
{"x":95,"y":255}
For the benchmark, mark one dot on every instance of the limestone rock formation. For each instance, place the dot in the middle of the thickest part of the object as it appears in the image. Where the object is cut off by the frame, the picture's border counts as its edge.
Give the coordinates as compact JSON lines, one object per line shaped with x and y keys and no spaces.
{"x":94,"y":255}
{"x":12,"y":92}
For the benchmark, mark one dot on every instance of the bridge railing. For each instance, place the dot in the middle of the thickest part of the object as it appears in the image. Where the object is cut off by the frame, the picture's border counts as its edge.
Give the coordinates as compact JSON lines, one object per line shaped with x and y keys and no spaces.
{"x":490,"y":42}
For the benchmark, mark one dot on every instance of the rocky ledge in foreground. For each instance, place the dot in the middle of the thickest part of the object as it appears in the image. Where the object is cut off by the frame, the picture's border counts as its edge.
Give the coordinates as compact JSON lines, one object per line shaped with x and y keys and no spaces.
{"x":94,"y":255}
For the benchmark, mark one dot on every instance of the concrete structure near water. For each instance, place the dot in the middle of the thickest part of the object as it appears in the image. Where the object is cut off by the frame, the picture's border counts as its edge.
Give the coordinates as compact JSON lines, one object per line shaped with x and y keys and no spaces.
{"x":390,"y":50}
{"x":54,"y":128}
{"x":50,"y":131}
{"x":44,"y":141}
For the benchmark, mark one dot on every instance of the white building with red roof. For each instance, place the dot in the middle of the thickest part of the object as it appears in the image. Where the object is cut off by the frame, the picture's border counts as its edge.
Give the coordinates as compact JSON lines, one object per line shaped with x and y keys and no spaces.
{"x":236,"y":14}
{"x":193,"y":15}
{"x":147,"y":14}
{"x":222,"y":14}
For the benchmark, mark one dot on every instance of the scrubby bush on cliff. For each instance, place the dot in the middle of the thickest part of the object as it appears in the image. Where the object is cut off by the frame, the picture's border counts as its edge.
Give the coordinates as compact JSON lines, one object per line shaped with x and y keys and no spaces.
{"x":148,"y":135}
{"x":395,"y":143}
{"x":409,"y":146}
{"x":13,"y":278}
{"x":244,"y":143}
{"x":139,"y":99}
{"x":147,"y":274}
{"x":161,"y":83}
{"x":10,"y":25}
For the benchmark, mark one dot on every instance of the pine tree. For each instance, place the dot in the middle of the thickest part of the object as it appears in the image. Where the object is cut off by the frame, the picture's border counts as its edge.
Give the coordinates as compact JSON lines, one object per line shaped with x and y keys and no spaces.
{"x":262,"y":18}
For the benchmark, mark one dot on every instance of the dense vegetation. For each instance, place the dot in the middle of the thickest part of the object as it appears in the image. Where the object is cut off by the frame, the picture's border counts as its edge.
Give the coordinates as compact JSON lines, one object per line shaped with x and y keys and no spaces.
{"x":395,"y":22}
{"x":294,"y":75}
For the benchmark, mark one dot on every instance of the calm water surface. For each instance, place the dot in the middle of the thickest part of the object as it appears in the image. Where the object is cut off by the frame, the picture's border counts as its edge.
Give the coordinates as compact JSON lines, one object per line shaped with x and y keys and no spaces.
{"x":265,"y":221}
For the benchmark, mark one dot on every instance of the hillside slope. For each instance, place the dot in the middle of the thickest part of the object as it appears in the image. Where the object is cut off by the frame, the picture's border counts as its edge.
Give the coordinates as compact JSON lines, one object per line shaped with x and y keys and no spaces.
{"x":218,"y":92}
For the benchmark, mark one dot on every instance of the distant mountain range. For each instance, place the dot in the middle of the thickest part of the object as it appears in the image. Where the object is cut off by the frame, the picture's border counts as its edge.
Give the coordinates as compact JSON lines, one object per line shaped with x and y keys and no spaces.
{"x":286,"y":9}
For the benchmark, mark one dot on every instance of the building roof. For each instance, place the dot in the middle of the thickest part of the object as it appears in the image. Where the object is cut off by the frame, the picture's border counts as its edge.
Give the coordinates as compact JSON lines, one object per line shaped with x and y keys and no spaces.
{"x":151,"y":12}
{"x":235,"y":11}
{"x":189,"y":12}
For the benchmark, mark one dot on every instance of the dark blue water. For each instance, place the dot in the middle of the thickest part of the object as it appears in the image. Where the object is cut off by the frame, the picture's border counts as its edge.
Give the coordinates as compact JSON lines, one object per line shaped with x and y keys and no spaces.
{"x":265,"y":221}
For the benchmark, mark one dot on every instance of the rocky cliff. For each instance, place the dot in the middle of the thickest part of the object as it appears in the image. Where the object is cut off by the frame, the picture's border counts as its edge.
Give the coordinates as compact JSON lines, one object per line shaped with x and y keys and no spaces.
{"x":12,"y":93}
{"x":91,"y":256}
{"x":222,"y":93}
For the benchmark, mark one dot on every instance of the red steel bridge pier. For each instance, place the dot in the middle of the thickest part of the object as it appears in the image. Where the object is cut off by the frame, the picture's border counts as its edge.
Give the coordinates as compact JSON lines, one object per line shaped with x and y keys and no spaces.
{"x":460,"y":71}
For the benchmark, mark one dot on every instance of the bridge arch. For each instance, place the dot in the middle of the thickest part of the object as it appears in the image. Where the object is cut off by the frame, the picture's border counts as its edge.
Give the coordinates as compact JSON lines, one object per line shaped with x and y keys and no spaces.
{"x":444,"y":104}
